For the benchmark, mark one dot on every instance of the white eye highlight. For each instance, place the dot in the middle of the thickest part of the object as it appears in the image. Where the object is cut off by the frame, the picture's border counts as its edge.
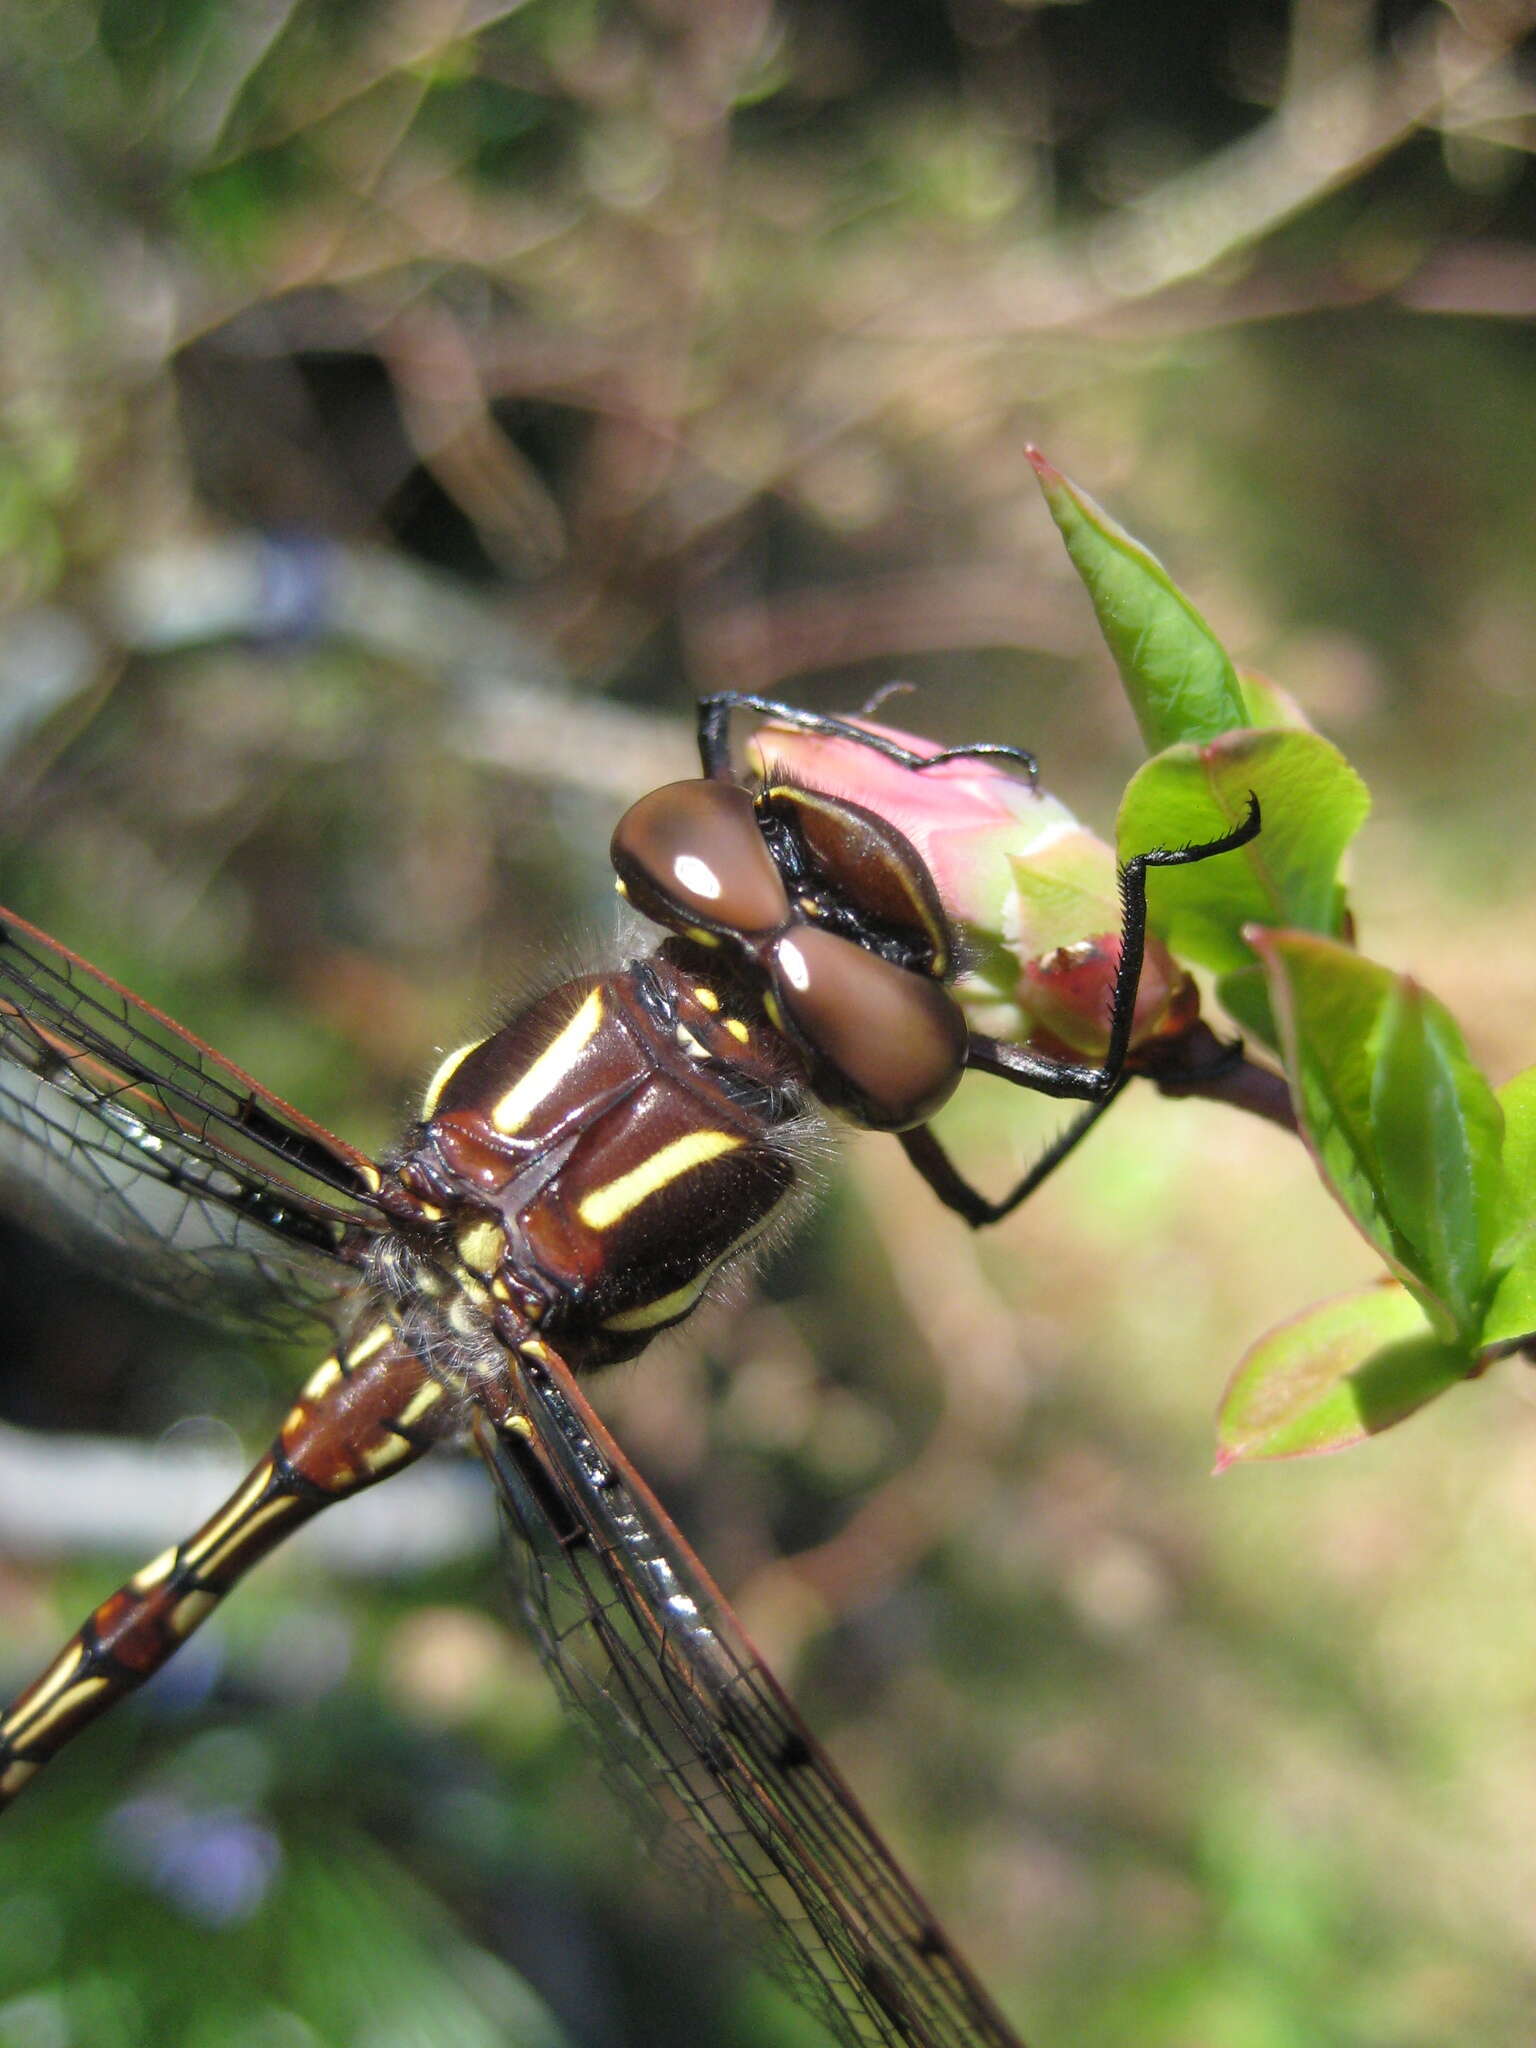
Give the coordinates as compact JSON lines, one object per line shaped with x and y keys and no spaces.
{"x":697,"y":877}
{"x":790,"y":962}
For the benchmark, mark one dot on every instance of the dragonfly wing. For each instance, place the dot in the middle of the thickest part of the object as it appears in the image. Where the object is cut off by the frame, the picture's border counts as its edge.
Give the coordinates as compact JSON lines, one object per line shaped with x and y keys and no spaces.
{"x":702,"y":1739}
{"x":117,"y":1127}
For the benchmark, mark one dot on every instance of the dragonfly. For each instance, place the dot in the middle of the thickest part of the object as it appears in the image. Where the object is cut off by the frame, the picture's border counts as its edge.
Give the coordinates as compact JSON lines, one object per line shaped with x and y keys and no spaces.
{"x":575,"y":1183}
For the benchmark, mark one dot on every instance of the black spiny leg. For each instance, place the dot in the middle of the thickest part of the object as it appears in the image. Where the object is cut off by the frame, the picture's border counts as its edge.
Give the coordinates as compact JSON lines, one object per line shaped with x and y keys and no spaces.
{"x":715,"y":715}
{"x":957,"y":1193}
{"x":1070,"y":1079}
{"x":1075,"y":1078}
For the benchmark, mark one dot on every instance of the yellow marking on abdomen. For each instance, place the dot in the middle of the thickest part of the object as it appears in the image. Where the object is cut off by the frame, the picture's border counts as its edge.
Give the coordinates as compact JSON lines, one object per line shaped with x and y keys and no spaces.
{"x":244,"y":1513}
{"x":278,"y":1509}
{"x":422,"y":1402}
{"x":443,"y":1073}
{"x":329,"y":1372}
{"x":191,"y":1611}
{"x":251,"y":1490}
{"x":607,"y":1205}
{"x":388,"y":1452}
{"x":41,"y":1716}
{"x":361,"y":1349}
{"x":51,"y":1691}
{"x":550,"y":1068}
{"x":156,"y":1572}
{"x":320,"y":1382}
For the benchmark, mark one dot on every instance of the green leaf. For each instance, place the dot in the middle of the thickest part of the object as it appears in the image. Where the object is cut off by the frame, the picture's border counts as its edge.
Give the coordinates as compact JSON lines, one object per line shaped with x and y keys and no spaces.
{"x":1405,"y":1130}
{"x":1339,"y":1372}
{"x":1176,"y":672}
{"x":1326,"y":1012}
{"x":1058,"y":910}
{"x":1313,"y":804}
{"x":1244,"y":995}
{"x":1512,"y":1312}
{"x":1265,"y":703}
{"x":1439,"y":1133}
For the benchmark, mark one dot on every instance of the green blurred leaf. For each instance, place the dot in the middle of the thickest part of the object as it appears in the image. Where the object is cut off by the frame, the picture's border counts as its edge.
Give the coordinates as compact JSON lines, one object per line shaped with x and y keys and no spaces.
{"x":1059,"y":910}
{"x":1439,"y":1130}
{"x":1266,"y":703}
{"x":439,"y":1991}
{"x":1404,"y":1128}
{"x":1244,"y":995}
{"x":1339,"y":1372}
{"x":1512,"y":1311}
{"x":1313,"y":803}
{"x":1181,"y":684}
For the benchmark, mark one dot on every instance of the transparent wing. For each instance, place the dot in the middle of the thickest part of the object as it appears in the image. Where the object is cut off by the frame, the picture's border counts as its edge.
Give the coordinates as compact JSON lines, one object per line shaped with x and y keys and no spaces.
{"x":117,"y":1127}
{"x":701,"y":1738}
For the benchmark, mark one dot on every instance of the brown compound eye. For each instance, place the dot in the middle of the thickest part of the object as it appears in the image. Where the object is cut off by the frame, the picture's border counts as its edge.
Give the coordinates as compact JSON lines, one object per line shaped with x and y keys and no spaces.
{"x":691,"y":856}
{"x":886,"y":1046}
{"x":869,"y":865}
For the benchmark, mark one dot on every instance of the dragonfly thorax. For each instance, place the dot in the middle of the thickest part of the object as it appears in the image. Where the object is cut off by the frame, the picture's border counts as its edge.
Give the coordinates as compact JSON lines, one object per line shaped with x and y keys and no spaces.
{"x":590,"y":1168}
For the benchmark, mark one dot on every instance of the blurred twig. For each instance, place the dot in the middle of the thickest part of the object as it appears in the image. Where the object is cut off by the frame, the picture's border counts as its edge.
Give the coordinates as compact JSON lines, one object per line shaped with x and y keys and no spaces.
{"x":1331,"y":124}
{"x":507,"y":706}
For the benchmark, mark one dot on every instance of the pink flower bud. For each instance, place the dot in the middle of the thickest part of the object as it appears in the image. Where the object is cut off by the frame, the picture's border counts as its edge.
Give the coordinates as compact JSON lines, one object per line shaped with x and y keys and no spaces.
{"x":1032,"y":891}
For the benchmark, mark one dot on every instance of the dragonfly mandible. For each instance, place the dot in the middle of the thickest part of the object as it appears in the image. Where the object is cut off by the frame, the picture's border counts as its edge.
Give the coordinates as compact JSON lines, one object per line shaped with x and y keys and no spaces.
{"x":576,"y":1182}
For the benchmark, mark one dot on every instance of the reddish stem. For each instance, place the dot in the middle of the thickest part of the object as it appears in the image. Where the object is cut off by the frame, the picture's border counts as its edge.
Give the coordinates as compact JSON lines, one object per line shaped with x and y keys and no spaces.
{"x":1197,"y":1062}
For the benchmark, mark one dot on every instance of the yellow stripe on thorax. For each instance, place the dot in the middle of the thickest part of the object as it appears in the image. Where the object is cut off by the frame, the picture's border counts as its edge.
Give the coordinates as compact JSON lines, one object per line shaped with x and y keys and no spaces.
{"x":606,"y":1205}
{"x":446,"y":1068}
{"x":666,"y":1308}
{"x":550,"y":1068}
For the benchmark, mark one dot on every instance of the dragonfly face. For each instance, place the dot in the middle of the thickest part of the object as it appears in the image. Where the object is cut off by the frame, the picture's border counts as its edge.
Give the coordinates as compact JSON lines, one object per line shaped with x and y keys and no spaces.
{"x":574,"y":1184}
{"x":826,"y":919}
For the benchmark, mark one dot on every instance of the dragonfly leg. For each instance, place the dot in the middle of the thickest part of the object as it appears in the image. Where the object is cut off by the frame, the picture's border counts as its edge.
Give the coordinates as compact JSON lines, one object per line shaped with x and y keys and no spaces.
{"x":1195,"y":1063}
{"x":967,"y":1200}
{"x":1067,"y":1078}
{"x":714,"y":736}
{"x":370,"y":1409}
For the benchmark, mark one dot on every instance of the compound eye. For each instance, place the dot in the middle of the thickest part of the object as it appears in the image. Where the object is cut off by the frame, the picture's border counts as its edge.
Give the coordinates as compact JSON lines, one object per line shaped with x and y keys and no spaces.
{"x":691,"y":856}
{"x":886,"y":1046}
{"x":870,"y":866}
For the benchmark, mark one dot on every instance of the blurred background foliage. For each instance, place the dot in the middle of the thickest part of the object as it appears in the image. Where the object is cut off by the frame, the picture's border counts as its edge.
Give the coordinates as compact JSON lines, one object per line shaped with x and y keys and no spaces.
{"x":405,"y":409}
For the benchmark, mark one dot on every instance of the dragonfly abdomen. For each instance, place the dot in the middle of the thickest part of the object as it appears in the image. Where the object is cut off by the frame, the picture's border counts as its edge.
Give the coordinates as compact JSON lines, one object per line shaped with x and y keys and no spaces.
{"x":369,"y":1410}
